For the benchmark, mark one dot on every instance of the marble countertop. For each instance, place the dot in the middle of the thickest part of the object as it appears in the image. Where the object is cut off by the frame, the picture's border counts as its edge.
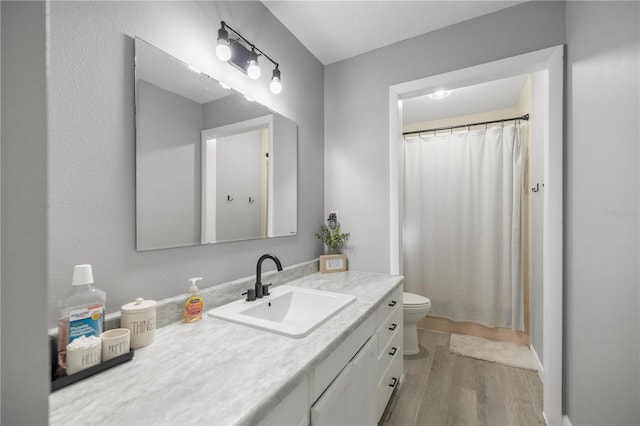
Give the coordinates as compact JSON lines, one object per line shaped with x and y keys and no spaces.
{"x":214,"y":372}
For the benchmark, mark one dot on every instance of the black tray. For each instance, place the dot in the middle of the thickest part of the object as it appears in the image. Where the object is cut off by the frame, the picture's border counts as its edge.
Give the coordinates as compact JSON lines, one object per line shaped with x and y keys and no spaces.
{"x":62,"y":381}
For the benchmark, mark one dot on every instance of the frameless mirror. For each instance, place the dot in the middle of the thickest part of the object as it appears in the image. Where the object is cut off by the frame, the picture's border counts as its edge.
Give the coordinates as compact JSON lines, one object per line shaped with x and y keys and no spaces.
{"x":211,"y":165}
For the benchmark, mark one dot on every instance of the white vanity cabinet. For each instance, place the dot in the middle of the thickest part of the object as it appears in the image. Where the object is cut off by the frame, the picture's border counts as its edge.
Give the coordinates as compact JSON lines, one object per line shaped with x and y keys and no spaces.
{"x":389,"y":361}
{"x":293,"y":410}
{"x":353,"y":385}
{"x":351,"y":398}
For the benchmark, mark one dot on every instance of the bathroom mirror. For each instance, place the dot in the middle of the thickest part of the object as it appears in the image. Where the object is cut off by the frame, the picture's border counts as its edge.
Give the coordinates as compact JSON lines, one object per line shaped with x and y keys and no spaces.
{"x":211,"y":165}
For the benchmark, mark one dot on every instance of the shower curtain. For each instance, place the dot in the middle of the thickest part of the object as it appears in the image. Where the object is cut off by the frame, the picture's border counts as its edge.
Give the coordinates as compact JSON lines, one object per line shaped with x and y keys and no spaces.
{"x":462,"y":244}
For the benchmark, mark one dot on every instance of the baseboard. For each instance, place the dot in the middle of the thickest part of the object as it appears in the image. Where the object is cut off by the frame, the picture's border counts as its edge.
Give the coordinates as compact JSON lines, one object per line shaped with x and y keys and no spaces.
{"x":565,"y":420}
{"x":536,"y":359}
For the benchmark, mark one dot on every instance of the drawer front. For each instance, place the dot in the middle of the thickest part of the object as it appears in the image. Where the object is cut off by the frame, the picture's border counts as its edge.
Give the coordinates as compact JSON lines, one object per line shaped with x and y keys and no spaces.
{"x":391,"y":302}
{"x":389,"y":328}
{"x":389,"y":381}
{"x":389,"y":353}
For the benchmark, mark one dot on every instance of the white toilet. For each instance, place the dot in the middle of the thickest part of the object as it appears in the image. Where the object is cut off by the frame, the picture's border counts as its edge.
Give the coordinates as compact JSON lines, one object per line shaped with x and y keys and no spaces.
{"x":416,"y":307}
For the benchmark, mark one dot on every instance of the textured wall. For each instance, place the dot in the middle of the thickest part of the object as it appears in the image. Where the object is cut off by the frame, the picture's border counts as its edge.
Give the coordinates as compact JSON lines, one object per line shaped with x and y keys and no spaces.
{"x":602,"y":186}
{"x":24,"y":380}
{"x":357,"y":113}
{"x":92,"y":145}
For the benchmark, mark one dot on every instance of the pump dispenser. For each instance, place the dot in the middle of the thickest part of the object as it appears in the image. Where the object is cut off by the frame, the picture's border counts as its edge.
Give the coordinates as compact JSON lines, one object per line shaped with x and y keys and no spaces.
{"x":194,"y":305}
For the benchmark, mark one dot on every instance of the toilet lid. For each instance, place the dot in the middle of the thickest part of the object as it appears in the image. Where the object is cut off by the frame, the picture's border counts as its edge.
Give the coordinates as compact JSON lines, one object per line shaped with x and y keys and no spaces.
{"x":412,"y":300}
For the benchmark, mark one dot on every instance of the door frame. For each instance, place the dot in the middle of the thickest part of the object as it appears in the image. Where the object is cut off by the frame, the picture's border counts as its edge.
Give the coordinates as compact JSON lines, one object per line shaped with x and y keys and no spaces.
{"x":550,"y":62}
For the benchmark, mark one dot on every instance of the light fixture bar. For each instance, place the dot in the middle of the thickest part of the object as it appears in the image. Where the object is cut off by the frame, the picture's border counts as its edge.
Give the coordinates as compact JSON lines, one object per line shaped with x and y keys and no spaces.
{"x":245,"y":58}
{"x":253,"y":46}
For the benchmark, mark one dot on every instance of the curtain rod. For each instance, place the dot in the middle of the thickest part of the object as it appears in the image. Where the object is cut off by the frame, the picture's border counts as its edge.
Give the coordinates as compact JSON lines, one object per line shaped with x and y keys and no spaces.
{"x":522,"y":117}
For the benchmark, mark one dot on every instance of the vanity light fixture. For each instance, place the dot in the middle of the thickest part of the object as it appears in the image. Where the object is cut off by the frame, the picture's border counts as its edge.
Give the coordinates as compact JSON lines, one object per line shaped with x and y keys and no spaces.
{"x":243,"y":55}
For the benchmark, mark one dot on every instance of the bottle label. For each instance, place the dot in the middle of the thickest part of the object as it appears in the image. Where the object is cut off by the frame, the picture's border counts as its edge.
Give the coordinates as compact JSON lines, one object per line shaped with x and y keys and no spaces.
{"x":194,"y":305}
{"x":86,"y":322}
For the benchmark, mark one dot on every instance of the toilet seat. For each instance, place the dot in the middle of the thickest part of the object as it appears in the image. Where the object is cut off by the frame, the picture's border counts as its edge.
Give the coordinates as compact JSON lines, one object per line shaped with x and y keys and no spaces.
{"x":415,"y":301}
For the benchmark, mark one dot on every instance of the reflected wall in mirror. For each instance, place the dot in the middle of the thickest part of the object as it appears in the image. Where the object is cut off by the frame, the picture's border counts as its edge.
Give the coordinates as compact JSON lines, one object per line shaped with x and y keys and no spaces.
{"x":211,"y":166}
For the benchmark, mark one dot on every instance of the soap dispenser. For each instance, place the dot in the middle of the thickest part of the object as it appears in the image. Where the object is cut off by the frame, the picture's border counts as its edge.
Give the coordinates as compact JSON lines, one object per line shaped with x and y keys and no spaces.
{"x":194,"y":305}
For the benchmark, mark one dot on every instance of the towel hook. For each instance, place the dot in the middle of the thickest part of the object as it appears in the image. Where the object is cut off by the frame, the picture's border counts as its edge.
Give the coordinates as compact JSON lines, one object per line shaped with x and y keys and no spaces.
{"x":537,"y":187}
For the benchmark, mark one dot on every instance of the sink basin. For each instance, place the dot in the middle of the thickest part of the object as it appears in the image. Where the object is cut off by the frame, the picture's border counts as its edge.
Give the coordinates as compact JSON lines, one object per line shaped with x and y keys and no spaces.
{"x":288,"y":310}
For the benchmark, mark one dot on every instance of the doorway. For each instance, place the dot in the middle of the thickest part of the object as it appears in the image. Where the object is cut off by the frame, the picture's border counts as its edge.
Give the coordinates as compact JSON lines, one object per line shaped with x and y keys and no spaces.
{"x":550,"y":63}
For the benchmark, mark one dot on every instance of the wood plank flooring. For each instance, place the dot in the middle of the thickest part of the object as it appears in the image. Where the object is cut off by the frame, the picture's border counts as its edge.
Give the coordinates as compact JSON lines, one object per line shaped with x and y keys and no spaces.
{"x":442,"y":389}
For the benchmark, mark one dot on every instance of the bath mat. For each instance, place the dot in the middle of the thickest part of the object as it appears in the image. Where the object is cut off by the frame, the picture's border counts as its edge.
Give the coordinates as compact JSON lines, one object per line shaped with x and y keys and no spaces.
{"x":511,"y":354}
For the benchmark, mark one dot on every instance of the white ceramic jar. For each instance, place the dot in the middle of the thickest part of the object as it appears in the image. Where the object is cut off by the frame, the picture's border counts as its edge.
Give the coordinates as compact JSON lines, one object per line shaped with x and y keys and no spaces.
{"x":140,"y":318}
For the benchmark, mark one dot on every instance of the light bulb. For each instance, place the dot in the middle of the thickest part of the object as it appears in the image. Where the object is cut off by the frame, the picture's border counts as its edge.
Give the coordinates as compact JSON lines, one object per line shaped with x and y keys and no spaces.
{"x":276,"y":86}
{"x":223,"y":52}
{"x":253,"y":70}
{"x":440,"y":94}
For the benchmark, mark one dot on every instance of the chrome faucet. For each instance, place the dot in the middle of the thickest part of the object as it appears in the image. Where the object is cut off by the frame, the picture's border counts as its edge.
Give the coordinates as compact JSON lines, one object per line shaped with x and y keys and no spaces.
{"x":260,"y":289}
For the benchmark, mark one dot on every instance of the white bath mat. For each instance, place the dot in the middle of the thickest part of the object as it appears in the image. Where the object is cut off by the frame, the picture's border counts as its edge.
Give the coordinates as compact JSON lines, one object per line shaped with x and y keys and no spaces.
{"x":511,"y":354}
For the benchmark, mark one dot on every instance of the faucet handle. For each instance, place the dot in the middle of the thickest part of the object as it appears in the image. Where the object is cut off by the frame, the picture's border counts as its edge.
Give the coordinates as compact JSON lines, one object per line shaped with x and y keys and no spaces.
{"x":265,"y":289}
{"x":251,"y":295}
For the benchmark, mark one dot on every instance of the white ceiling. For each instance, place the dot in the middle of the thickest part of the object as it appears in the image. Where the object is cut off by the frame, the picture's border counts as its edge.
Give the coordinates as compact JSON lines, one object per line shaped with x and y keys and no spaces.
{"x":337,"y":30}
{"x":491,"y":96}
{"x":334,"y":30}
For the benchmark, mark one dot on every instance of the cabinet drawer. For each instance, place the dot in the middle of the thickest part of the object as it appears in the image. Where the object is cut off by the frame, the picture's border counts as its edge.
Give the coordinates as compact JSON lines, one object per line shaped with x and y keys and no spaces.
{"x":389,"y":353}
{"x":389,"y":328}
{"x":389,"y":381}
{"x":391,"y":302}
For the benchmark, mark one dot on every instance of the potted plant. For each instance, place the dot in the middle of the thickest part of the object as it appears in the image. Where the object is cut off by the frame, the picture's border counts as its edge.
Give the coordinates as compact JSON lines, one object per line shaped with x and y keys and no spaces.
{"x":333,"y":239}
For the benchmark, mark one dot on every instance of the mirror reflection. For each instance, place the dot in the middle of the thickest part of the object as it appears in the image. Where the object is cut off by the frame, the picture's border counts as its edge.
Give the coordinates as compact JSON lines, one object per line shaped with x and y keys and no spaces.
{"x":211,"y":166}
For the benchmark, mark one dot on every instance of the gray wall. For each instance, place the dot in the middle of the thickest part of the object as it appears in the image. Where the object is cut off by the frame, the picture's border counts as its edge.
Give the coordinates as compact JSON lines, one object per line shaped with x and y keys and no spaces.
{"x":536,"y":156}
{"x":601,"y":210}
{"x":91,"y":100}
{"x":25,"y":371}
{"x":357,"y":111}
{"x":0,"y":212}
{"x":71,"y":199}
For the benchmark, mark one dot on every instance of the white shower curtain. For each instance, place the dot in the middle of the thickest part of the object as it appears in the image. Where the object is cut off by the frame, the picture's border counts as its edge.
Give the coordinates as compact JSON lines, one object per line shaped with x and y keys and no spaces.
{"x":462,"y":244}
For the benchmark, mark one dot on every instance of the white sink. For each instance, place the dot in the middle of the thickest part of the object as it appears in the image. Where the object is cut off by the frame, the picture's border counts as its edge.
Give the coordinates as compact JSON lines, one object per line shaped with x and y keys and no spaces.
{"x":288,"y":310}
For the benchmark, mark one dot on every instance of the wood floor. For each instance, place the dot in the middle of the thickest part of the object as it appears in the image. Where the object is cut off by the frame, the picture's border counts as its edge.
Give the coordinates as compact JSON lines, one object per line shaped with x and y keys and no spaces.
{"x":442,"y":389}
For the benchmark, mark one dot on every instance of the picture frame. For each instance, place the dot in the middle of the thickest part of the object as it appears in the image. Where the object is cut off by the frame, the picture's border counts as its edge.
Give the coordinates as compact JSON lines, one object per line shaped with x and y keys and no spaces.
{"x":333,"y":263}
